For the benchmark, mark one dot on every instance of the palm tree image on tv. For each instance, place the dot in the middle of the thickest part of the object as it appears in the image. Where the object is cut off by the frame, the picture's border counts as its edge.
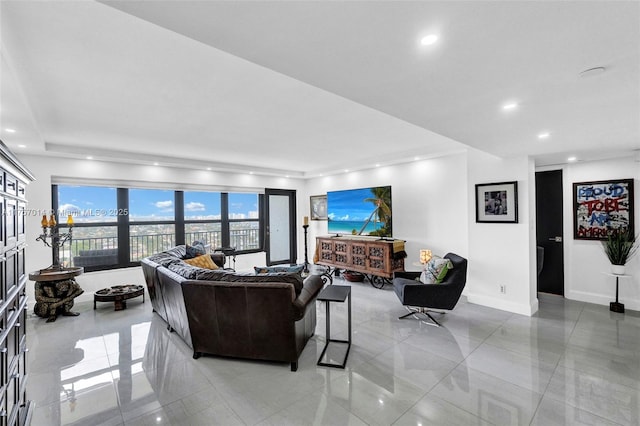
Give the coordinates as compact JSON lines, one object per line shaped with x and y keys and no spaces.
{"x":364,"y":211}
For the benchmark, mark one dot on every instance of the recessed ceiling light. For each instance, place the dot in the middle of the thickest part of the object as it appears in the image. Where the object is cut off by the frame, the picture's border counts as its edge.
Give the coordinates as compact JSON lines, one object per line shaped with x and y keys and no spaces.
{"x":378,"y":165}
{"x":571,"y":159}
{"x":156,"y":164}
{"x":89,"y":157}
{"x":250,"y":173}
{"x":544,"y":135}
{"x":510,"y":106}
{"x":429,"y":40}
{"x":22,"y":146}
{"x":208,"y":168}
{"x":346,"y":170}
{"x":287,"y":176}
{"x":10,"y":130}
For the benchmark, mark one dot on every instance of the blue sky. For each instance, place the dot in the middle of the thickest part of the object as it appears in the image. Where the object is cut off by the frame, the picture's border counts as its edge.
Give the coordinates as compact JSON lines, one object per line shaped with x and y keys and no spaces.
{"x":91,"y":204}
{"x":349,"y":204}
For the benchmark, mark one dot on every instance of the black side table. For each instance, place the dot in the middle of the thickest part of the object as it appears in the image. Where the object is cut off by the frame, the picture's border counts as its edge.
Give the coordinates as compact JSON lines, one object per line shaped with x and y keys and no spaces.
{"x":335,"y":293}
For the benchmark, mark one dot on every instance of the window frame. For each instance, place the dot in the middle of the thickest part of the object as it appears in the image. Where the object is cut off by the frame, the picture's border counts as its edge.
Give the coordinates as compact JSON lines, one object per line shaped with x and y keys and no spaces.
{"x":123,"y":224}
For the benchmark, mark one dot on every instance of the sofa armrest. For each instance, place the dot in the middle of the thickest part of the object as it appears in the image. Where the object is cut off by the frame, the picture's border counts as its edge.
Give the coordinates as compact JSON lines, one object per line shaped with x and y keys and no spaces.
{"x":310,"y":289}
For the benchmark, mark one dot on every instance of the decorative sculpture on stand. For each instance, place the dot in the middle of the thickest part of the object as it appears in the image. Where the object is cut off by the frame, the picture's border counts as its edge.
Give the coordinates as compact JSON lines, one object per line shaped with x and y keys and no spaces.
{"x":55,"y":286}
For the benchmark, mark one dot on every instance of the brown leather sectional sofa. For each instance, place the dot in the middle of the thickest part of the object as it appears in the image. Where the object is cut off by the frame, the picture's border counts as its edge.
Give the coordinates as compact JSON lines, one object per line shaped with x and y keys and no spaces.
{"x":220,"y":312}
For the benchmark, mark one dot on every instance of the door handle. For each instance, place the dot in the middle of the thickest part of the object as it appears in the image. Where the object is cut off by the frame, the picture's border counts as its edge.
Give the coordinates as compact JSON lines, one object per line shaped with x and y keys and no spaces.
{"x":556,"y":239}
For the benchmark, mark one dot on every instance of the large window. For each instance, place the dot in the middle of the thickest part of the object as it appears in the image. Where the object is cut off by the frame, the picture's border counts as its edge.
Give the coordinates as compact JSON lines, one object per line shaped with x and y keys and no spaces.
{"x":152,"y":226}
{"x":244,"y":224}
{"x":117,"y":227}
{"x":95,"y":235}
{"x":203,"y":218}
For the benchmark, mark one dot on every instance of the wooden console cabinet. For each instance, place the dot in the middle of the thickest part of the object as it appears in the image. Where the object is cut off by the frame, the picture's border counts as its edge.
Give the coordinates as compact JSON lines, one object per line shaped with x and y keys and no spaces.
{"x":15,"y":409}
{"x":367,"y":255}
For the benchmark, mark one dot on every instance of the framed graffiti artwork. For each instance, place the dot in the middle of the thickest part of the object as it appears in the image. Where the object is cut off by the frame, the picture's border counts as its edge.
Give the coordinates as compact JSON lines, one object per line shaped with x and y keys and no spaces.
{"x":601,"y":206}
{"x":497,"y":202}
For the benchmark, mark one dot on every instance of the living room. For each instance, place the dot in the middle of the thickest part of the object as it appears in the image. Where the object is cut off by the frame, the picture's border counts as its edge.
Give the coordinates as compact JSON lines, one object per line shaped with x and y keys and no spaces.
{"x":433,"y":177}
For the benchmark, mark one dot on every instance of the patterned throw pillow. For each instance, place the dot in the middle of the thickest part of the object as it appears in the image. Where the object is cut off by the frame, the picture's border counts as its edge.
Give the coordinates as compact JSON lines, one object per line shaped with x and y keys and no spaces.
{"x":194,"y":250}
{"x":436,"y":270}
{"x":203,"y":261}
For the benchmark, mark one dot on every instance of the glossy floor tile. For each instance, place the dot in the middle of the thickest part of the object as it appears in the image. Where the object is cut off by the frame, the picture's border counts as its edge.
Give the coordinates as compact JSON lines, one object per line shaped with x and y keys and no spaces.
{"x":570,"y":364}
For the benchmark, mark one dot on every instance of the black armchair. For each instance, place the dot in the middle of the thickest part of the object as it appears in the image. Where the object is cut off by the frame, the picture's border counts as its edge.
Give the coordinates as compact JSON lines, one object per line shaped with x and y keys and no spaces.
{"x":418,"y":297}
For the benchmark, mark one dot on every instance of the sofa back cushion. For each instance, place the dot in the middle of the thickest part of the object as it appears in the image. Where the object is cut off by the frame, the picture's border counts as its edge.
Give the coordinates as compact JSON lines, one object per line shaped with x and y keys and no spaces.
{"x":211,"y":274}
{"x":185,"y":270}
{"x":273,"y":277}
{"x":167,"y":257}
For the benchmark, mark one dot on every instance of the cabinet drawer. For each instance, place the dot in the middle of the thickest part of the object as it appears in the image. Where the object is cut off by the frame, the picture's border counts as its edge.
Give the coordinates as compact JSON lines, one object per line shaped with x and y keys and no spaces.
{"x":9,"y":216}
{"x":12,"y":386}
{"x":22,"y":189}
{"x":20,"y":224}
{"x":10,"y":275}
{"x":10,"y":184}
{"x":13,"y":351}
{"x":2,"y":221}
{"x":20,"y":265}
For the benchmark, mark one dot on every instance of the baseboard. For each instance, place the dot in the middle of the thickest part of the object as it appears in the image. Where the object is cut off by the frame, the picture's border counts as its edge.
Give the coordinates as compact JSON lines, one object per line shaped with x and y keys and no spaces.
{"x":599,"y":299}
{"x":503,"y":305}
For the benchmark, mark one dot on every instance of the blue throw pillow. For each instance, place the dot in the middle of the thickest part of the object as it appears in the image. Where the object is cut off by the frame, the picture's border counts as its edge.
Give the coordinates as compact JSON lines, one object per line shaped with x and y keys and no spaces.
{"x":194,"y":250}
{"x":269,"y":269}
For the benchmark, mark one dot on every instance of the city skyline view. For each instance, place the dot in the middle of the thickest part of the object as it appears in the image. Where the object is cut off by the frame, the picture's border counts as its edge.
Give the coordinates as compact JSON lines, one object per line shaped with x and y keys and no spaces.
{"x":99,"y":204}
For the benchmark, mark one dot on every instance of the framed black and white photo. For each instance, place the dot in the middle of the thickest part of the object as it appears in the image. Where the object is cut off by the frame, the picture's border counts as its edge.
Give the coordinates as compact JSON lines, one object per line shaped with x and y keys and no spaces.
{"x":497,"y":202}
{"x":318,"y":207}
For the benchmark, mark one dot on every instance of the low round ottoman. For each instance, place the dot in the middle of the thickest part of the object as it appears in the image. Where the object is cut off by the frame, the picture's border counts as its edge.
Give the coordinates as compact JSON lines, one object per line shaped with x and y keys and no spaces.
{"x":118,"y":294}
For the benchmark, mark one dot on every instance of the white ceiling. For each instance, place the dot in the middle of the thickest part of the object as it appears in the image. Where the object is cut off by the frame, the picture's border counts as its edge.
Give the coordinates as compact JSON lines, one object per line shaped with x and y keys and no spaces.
{"x":302,"y":88}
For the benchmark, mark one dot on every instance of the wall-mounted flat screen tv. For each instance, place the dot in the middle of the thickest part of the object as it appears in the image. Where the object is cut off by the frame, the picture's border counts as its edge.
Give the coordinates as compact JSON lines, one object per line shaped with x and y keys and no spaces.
{"x":362,"y":211}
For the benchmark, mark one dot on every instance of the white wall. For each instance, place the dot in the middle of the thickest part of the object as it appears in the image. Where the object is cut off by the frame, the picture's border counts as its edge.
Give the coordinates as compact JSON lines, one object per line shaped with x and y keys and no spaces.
{"x":39,"y":195}
{"x":502,"y":253}
{"x":429,"y":202}
{"x":433,"y":205}
{"x":585,"y":262}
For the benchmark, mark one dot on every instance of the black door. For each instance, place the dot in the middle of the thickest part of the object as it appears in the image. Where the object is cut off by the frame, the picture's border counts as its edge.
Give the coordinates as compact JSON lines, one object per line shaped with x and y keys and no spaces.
{"x":549,"y":231}
{"x":280,"y":241}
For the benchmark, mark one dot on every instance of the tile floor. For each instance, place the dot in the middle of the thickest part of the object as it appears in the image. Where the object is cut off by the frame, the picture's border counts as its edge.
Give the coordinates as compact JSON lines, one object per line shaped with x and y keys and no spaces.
{"x":572,"y":363}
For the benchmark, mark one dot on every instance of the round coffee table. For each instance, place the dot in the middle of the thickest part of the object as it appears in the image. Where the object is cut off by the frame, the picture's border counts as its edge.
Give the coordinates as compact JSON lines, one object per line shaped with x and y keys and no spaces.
{"x":118,"y":294}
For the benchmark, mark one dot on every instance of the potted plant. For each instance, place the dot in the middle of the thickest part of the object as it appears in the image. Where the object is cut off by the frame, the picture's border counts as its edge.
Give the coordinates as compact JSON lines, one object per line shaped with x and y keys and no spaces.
{"x":620,"y":246}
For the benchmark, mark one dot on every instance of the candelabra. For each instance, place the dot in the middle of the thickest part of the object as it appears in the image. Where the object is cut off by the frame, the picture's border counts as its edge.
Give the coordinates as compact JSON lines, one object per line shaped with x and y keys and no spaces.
{"x":51,"y":237}
{"x":306,"y":257}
